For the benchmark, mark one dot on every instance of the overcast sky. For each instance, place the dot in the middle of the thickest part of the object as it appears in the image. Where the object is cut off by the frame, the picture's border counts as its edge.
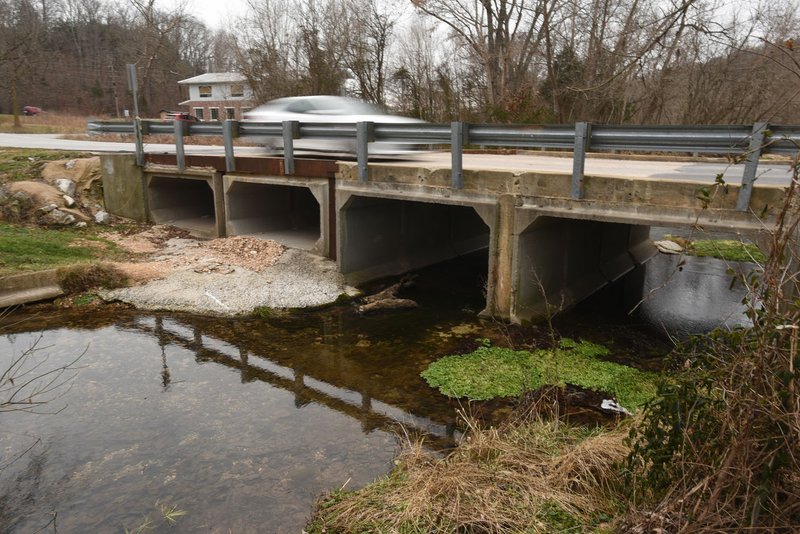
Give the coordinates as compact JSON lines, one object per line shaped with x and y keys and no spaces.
{"x":219,"y":13}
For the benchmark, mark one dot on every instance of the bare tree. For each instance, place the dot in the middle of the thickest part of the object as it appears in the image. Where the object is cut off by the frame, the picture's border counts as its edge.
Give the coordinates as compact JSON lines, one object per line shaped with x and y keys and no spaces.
{"x":20,"y":31}
{"x":502,"y":36}
{"x":366,"y":53}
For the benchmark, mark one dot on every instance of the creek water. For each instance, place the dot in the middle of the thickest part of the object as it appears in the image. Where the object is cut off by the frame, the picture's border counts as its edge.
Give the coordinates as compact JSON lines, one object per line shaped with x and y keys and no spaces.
{"x":243,"y":423}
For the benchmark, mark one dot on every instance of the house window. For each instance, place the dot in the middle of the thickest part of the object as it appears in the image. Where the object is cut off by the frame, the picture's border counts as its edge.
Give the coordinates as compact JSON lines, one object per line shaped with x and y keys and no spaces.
{"x":237,"y":89}
{"x":198,"y":112}
{"x":205,"y":91}
{"x":214,"y":113}
{"x":230,"y":113}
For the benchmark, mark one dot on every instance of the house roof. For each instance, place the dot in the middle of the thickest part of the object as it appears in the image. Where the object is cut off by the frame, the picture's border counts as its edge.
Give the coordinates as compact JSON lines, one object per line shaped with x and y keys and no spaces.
{"x":215,"y":77}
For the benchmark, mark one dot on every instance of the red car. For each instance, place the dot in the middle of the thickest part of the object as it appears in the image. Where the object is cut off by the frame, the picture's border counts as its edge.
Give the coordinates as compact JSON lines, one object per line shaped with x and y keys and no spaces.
{"x":31,"y":110}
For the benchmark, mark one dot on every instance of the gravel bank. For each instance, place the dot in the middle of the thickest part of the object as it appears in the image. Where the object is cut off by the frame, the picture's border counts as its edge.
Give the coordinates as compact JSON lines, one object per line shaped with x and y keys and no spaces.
{"x":296,"y":279}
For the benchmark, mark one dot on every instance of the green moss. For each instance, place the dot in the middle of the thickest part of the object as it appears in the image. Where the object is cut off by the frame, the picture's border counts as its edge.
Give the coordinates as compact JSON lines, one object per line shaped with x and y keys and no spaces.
{"x":86,"y":299}
{"x":492,"y":372}
{"x":727,"y":249}
{"x":724,"y":249}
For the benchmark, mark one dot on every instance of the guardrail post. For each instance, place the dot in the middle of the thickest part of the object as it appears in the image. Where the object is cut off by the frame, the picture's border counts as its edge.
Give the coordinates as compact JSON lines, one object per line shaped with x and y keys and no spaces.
{"x":751,"y":165}
{"x":291,"y":131}
{"x":365,"y":134}
{"x":180,"y":128}
{"x":230,"y":130}
{"x":457,"y":141}
{"x":138,"y":136}
{"x":583,"y":132}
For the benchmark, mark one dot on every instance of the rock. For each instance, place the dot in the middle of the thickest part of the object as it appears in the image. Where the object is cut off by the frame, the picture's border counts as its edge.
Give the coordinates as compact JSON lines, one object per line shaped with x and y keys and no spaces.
{"x":668,"y":247}
{"x":70,"y":164}
{"x":69,"y":201}
{"x":41,"y":194}
{"x":102,"y":217}
{"x":81,"y":224}
{"x":66,"y":186}
{"x":48,"y":208}
{"x":57,"y":217}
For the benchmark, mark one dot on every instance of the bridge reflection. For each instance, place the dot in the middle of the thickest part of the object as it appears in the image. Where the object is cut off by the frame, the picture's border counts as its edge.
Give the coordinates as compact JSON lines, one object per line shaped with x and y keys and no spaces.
{"x":355,"y":401}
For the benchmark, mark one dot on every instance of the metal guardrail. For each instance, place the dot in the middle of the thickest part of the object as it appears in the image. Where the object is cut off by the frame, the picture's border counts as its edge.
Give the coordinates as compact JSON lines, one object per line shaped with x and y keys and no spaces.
{"x":749,"y":142}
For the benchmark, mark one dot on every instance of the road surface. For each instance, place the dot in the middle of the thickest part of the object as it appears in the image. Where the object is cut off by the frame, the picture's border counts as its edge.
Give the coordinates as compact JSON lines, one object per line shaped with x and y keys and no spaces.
{"x":769,"y":173}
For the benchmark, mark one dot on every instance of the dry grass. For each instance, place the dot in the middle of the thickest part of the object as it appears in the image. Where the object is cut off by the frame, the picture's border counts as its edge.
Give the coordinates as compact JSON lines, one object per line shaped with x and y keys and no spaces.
{"x":47,"y":122}
{"x":533,"y":476}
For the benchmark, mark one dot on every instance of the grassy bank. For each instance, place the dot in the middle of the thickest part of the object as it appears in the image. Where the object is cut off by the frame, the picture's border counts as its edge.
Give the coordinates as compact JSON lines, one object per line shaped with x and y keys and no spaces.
{"x":32,"y":249}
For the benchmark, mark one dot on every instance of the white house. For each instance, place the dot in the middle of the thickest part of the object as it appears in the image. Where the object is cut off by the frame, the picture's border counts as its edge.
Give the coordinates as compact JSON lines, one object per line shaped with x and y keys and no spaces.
{"x":217,"y":96}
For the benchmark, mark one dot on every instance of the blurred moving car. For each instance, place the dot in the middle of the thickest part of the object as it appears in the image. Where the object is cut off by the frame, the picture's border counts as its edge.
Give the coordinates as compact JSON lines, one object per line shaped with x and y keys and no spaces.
{"x":31,"y":110}
{"x":333,"y":110}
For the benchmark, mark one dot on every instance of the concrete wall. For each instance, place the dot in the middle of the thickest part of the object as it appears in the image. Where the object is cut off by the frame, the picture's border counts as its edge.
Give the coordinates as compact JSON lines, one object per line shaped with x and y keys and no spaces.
{"x":123,"y":186}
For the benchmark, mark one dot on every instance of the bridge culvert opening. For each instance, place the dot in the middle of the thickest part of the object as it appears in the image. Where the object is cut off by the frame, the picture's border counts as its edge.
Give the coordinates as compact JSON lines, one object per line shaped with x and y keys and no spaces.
{"x":563,"y":261}
{"x":381,"y":238}
{"x":287,"y":214}
{"x":187,"y":203}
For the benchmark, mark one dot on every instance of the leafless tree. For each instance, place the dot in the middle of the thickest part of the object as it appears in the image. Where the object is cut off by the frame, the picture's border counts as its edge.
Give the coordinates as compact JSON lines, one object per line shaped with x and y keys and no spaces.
{"x":20,"y":32}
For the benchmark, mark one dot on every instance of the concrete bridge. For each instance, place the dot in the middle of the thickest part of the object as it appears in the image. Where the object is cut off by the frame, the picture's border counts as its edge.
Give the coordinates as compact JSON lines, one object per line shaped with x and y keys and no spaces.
{"x":546,"y":249}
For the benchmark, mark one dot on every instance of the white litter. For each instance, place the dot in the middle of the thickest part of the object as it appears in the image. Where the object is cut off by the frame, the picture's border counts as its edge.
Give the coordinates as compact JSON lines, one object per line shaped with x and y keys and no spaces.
{"x":612,"y":406}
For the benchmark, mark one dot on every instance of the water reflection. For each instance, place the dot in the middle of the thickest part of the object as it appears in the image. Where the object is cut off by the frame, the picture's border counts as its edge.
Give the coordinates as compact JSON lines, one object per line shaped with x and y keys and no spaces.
{"x":241,"y":423}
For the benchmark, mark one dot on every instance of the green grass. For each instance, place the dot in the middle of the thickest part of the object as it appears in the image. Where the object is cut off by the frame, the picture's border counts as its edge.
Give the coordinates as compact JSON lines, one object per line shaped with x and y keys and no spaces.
{"x":25,"y":249}
{"x":493,"y":372}
{"x":17,"y":164}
